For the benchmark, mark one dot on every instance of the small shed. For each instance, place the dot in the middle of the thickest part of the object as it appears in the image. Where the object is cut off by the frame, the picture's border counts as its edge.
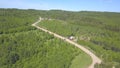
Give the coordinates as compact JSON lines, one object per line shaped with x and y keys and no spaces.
{"x":71,"y":38}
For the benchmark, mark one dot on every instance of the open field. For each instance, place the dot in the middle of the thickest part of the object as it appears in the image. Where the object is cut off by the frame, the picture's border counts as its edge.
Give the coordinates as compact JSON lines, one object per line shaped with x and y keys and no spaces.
{"x":79,"y":62}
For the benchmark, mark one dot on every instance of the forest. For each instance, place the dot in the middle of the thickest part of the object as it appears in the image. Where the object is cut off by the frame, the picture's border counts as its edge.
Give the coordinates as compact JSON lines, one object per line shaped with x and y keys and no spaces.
{"x":24,"y":46}
{"x":98,"y":31}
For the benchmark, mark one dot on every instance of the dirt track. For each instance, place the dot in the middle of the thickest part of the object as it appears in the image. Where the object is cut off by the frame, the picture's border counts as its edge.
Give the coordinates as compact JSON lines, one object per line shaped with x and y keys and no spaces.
{"x":95,"y":59}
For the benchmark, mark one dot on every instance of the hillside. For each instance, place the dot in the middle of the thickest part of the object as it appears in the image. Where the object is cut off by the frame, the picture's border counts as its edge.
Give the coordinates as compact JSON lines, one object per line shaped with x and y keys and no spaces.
{"x":98,"y":31}
{"x":24,"y":46}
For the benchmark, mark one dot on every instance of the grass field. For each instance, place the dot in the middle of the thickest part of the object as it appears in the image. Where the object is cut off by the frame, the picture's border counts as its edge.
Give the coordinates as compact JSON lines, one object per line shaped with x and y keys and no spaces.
{"x":81,"y":61}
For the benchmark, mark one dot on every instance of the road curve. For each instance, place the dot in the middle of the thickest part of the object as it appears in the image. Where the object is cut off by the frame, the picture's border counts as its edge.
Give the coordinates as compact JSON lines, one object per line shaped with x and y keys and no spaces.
{"x":95,"y":59}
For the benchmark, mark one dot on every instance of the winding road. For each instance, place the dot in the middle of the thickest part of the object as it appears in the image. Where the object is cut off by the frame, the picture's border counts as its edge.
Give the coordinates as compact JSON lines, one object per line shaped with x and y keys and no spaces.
{"x":95,"y":59}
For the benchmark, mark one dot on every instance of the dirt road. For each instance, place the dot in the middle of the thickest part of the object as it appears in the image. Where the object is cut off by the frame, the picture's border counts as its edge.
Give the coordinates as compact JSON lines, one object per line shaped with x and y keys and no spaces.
{"x":95,"y":59}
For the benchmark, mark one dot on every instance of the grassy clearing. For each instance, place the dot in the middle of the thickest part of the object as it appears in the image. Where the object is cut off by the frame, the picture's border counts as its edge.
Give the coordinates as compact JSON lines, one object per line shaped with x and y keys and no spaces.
{"x":81,"y":61}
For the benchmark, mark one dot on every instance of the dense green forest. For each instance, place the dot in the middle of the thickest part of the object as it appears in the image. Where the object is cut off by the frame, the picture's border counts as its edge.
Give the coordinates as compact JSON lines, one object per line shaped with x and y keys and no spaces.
{"x":98,"y":31}
{"x":23,"y":46}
